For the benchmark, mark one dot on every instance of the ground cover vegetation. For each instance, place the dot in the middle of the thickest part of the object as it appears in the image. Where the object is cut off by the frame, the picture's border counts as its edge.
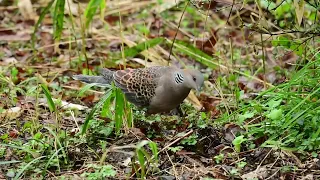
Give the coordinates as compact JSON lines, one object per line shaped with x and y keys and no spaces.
{"x":257,"y":116}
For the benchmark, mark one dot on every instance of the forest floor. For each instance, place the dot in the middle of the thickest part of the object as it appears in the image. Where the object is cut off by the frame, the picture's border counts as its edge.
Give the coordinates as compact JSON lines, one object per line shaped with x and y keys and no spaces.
{"x":43,"y":139}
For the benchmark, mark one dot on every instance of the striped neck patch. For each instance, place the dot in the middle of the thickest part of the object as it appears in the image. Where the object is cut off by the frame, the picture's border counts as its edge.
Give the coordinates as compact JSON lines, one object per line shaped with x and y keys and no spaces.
{"x":178,"y":78}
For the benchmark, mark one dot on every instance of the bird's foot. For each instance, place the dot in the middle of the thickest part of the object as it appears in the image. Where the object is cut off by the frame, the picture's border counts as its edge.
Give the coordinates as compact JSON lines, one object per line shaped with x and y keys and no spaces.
{"x":177,"y":111}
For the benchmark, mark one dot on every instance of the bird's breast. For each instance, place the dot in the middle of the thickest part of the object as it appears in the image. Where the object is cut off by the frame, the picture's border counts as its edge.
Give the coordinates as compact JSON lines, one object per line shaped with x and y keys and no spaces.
{"x":167,"y":98}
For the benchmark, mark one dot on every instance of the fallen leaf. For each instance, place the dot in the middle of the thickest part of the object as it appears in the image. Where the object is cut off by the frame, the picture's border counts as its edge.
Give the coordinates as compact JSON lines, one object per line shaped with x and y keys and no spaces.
{"x":25,"y":8}
{"x":8,"y":61}
{"x":46,"y":40}
{"x":172,"y":33}
{"x":13,"y":133}
{"x":64,"y":104}
{"x":206,"y":44}
{"x":230,"y":131}
{"x":260,"y":173}
{"x":165,"y":5}
{"x":11,"y":113}
{"x":19,"y":36}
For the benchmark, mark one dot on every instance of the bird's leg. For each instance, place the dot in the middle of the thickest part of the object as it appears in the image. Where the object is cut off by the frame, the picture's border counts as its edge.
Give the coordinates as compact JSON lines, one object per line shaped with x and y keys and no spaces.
{"x":177,"y":111}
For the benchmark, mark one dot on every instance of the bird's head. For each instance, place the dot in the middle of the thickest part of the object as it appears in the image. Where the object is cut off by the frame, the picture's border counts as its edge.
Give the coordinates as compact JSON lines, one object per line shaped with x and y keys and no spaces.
{"x":194,"y":79}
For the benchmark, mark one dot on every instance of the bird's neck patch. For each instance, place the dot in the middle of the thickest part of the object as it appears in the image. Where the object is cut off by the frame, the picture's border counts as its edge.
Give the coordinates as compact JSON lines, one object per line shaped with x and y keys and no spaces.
{"x":178,"y":78}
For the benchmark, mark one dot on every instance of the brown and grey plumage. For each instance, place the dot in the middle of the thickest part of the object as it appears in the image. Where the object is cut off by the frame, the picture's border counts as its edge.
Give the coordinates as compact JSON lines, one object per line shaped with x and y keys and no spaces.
{"x":158,"y":88}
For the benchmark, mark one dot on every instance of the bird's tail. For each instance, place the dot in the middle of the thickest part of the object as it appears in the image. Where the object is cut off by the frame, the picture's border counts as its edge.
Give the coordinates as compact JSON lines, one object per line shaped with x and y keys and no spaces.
{"x":99,"y":80}
{"x":105,"y":79}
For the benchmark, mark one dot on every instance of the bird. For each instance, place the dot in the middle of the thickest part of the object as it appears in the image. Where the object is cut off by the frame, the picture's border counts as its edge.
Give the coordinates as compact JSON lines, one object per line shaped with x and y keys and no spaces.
{"x":159,"y":89}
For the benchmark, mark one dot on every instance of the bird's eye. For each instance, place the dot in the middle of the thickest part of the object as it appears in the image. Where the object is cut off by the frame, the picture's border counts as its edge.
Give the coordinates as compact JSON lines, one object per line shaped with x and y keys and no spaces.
{"x":194,"y":78}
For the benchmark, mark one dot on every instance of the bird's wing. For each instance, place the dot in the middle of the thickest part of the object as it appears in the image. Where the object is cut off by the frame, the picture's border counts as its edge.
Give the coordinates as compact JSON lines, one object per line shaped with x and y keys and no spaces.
{"x":139,"y":85}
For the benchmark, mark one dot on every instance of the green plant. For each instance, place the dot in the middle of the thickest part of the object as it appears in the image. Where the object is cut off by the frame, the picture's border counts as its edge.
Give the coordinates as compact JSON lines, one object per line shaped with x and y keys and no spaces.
{"x":219,"y":158}
{"x":238,"y":141}
{"x":100,"y":172}
{"x":175,"y":149}
{"x":146,"y":161}
{"x":234,"y":172}
{"x":190,"y":140}
{"x":241,"y":164}
{"x":123,"y":113}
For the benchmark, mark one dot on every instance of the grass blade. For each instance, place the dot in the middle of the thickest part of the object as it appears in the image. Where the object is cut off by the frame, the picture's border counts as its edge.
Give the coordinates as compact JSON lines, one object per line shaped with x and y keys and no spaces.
{"x":36,"y":27}
{"x":88,"y":86}
{"x":141,"y":160}
{"x":58,"y":142}
{"x":33,"y":153}
{"x":8,"y":162}
{"x":91,"y":10}
{"x":47,"y":93}
{"x":133,"y":51}
{"x":85,"y":125}
{"x":49,"y":161}
{"x":58,"y":18}
{"x":105,"y":112}
{"x":26,"y":166}
{"x":119,"y":110}
{"x":154,"y":148}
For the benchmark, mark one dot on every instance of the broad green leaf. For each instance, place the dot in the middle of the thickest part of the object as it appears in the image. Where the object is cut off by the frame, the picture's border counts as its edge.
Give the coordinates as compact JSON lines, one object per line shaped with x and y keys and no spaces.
{"x":142,"y":143}
{"x":267,"y":4}
{"x":274,"y":103}
{"x":102,"y":8}
{"x":105,"y":112}
{"x":245,"y":116}
{"x":237,"y":142}
{"x":275,"y":114}
{"x":294,"y":45}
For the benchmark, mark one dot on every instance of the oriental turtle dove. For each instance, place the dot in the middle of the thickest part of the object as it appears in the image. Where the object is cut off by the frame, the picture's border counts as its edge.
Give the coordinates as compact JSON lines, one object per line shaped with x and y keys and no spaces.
{"x":157,"y":88}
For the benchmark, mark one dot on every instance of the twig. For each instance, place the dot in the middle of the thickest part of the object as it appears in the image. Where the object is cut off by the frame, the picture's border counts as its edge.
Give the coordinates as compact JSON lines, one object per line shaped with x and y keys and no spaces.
{"x":175,"y":36}
{"x":175,"y":141}
{"x":173,"y":166}
{"x":263,"y":160}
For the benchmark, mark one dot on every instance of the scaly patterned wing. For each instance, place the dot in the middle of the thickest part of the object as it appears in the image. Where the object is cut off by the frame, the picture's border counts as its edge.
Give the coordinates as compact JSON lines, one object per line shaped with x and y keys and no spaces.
{"x":139,"y":85}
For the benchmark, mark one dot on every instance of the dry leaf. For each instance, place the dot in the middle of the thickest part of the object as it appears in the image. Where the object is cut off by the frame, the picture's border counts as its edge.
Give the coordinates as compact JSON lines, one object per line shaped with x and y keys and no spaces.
{"x":262,"y":173}
{"x":299,"y":8}
{"x":25,"y":7}
{"x":165,"y":5}
{"x":9,"y":60}
{"x":11,"y":113}
{"x":64,"y":104}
